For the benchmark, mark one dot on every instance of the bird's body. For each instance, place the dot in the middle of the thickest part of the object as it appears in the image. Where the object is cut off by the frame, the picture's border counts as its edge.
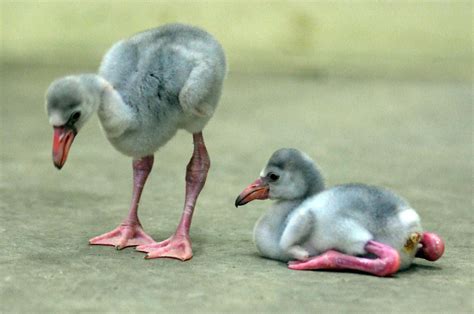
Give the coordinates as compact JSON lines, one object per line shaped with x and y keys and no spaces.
{"x":148,"y":87}
{"x":350,"y":226}
{"x":170,"y":78}
{"x":343,"y":218}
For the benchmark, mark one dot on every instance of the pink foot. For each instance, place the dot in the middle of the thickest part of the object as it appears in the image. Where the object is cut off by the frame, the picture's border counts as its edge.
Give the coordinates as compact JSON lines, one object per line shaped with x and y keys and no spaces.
{"x":387,"y":263}
{"x":178,"y":247}
{"x":123,"y":236}
{"x":432,"y":247}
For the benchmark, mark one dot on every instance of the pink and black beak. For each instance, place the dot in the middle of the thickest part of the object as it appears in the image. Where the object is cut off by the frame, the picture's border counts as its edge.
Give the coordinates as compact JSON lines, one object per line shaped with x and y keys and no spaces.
{"x":63,"y":137}
{"x":258,"y":190}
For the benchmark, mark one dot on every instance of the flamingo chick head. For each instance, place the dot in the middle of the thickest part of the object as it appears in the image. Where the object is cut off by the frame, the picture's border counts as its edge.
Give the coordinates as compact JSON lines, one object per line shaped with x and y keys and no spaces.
{"x":289,"y":175}
{"x":70,"y":102}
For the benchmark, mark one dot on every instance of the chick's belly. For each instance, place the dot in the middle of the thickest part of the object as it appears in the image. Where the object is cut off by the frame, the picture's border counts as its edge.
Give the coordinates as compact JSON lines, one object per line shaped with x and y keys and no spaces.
{"x":141,"y":143}
{"x":134,"y":148}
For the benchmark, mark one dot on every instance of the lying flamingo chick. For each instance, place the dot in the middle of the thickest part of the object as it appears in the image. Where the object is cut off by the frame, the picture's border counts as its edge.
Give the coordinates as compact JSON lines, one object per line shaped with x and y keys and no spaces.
{"x":351,"y":226}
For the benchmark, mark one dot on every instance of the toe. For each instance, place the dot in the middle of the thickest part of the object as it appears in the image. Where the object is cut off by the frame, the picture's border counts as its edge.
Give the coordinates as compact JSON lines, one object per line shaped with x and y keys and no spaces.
{"x":179,"y":251}
{"x":151,"y":246}
{"x":296,"y":265}
{"x":142,"y":248}
{"x":182,"y":256}
{"x":105,"y":236}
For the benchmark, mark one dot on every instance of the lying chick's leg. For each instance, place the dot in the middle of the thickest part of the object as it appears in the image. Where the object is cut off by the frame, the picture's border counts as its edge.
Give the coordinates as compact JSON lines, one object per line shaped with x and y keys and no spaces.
{"x":386,"y":263}
{"x":432,"y":247}
{"x":130,"y":232}
{"x":179,"y":245}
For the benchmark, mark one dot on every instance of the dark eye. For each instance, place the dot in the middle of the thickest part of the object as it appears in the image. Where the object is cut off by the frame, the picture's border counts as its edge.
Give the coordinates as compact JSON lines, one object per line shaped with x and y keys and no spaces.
{"x":75,"y":116}
{"x":273,"y":176}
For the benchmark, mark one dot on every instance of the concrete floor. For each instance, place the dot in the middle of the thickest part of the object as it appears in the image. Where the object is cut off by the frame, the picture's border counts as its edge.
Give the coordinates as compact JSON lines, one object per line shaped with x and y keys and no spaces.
{"x":414,"y":137}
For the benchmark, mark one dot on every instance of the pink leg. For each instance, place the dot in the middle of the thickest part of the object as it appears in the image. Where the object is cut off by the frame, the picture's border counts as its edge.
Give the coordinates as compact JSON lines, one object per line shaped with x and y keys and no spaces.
{"x":130,"y":232}
{"x":179,"y":245}
{"x":387,"y":263}
{"x":432,"y":247}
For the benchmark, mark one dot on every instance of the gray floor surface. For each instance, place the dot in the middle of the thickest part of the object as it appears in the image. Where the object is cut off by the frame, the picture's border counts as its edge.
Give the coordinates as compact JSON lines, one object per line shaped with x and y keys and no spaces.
{"x":412,"y":136}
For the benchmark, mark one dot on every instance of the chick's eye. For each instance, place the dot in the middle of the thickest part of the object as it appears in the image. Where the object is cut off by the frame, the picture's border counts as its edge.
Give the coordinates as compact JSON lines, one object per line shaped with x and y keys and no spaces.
{"x":273,"y":176}
{"x":75,"y":116}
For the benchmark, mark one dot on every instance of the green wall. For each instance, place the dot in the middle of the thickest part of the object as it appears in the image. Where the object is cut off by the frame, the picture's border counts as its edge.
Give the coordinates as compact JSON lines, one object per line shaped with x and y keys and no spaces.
{"x":394,"y":39}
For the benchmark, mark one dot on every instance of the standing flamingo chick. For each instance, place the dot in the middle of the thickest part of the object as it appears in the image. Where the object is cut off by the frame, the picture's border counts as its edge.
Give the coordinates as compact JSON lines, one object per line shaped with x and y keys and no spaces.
{"x":351,"y":226}
{"x":148,"y":87}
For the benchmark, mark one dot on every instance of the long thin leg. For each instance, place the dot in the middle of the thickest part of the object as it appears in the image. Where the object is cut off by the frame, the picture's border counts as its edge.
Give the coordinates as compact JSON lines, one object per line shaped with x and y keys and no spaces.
{"x":432,"y":247}
{"x":130,"y":232}
{"x":387,"y":263}
{"x":196,"y":174}
{"x":179,"y":245}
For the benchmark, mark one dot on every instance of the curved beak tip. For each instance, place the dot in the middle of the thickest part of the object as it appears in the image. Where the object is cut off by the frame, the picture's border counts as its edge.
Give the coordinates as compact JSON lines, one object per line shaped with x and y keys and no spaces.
{"x":258,"y":190}
{"x":62,"y":141}
{"x":57,"y":165}
{"x":237,"y":201}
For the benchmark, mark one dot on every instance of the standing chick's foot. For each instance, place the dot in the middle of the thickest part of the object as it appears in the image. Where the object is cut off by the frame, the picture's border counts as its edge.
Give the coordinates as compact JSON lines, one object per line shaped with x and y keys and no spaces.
{"x":177,"y":246}
{"x":123,"y":236}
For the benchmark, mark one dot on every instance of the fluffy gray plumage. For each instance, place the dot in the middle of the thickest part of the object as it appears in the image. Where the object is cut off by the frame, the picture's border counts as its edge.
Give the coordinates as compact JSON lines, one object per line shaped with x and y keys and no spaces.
{"x":148,"y":87}
{"x":307,"y":220}
{"x":299,"y":176}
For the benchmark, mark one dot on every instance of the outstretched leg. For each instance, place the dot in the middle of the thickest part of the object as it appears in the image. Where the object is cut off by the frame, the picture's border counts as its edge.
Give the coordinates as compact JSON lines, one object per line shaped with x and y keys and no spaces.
{"x":179,"y":245}
{"x":386,"y":263}
{"x":130,"y":232}
{"x":432,"y":247}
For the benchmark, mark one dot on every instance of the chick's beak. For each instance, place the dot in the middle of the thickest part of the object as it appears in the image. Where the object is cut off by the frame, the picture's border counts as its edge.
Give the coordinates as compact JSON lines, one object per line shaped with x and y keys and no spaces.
{"x":258,"y":190}
{"x":63,"y":137}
